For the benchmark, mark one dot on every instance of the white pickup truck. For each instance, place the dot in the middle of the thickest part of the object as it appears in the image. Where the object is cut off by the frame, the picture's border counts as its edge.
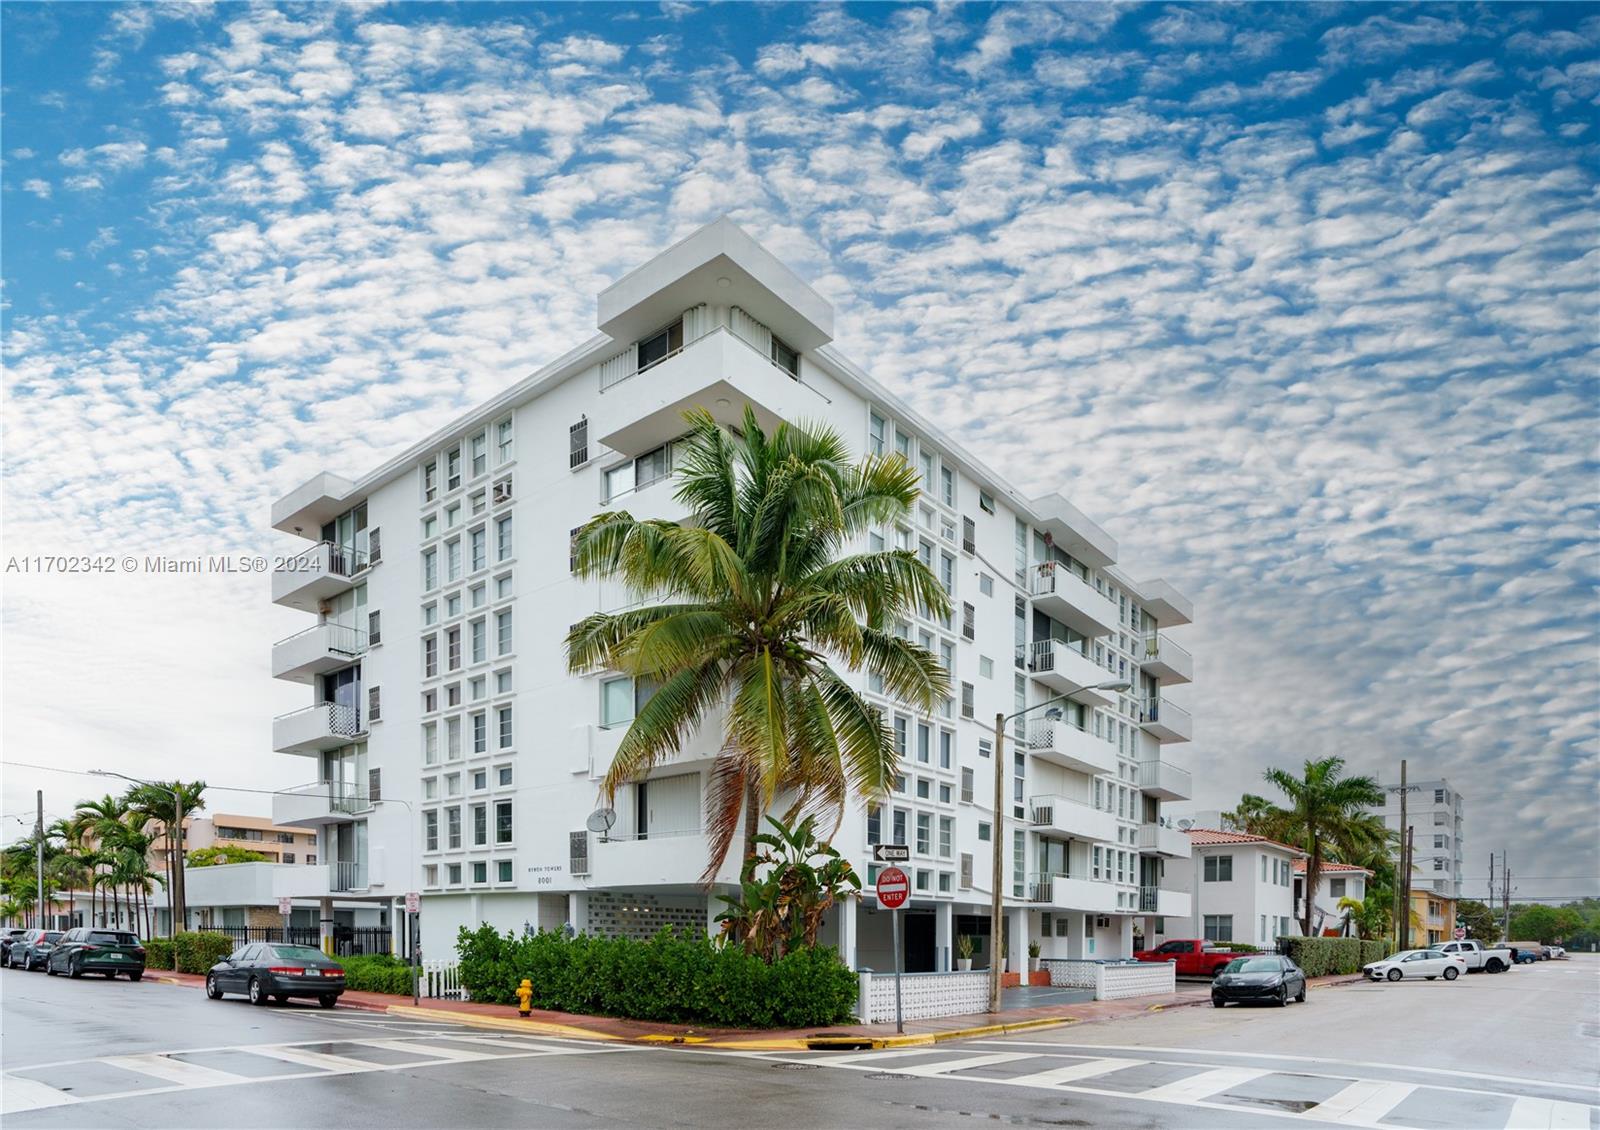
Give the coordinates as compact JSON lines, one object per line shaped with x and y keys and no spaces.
{"x":1478,"y":958}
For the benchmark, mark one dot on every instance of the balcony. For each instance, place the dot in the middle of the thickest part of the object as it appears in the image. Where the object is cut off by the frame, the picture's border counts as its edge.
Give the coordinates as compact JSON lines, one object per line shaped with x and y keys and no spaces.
{"x":1166,"y":721}
{"x":1166,"y":661}
{"x":1166,"y":781}
{"x":1062,"y":743}
{"x":313,"y":729}
{"x":320,"y":573}
{"x":317,"y":650}
{"x":347,"y":876}
{"x":1065,"y":670}
{"x":1062,"y":595}
{"x":1072,"y":818}
{"x":1168,"y":904}
{"x":1163,"y":839}
{"x":663,"y":859}
{"x":316,"y":804}
{"x":718,"y":371}
{"x":1095,"y":896}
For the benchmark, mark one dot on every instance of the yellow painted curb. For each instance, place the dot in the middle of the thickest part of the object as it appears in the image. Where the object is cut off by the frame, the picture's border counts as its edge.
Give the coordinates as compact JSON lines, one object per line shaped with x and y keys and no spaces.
{"x":500,"y":1023}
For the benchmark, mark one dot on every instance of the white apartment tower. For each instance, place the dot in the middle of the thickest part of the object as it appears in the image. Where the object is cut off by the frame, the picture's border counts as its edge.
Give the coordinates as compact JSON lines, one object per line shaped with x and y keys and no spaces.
{"x":451,"y":753}
{"x":1434,"y":811}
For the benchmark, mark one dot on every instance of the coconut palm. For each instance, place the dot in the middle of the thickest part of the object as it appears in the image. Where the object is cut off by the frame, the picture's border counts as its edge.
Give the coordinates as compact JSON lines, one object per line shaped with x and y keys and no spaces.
{"x":99,"y":822}
{"x":1327,"y":817}
{"x":156,"y":800}
{"x":755,"y":602}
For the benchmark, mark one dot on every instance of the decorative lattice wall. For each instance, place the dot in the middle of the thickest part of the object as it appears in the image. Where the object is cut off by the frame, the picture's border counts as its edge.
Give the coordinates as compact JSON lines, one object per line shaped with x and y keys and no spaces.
{"x":1138,"y":980}
{"x":615,"y":914}
{"x":924,"y":996}
{"x":1066,"y":973}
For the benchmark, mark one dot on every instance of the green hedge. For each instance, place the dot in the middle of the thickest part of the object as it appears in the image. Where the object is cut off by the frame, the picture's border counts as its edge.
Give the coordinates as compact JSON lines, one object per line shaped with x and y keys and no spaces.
{"x":197,"y":951}
{"x":376,"y":973}
{"x":158,"y":953}
{"x":1237,"y":947}
{"x":1322,"y":956}
{"x":680,"y":980}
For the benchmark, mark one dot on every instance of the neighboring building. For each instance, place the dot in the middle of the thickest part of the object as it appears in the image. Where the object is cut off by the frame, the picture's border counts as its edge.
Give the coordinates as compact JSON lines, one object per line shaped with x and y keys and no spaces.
{"x":250,"y":833}
{"x":1433,"y":917}
{"x":1242,"y":888}
{"x":1434,"y":810}
{"x":236,"y":897}
{"x":456,"y":756}
{"x":1337,"y":881}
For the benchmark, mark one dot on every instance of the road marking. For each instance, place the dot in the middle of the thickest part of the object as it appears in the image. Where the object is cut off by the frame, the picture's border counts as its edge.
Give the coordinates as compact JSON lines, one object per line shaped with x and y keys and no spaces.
{"x":1057,"y":1075}
{"x":422,"y":1047}
{"x":851,"y":1059}
{"x":930,"y":1070}
{"x":337,"y":1064}
{"x":21,"y":1094}
{"x":174,"y":1070}
{"x":1547,"y":1114}
{"x":1206,"y":1083}
{"x":1363,"y":1102}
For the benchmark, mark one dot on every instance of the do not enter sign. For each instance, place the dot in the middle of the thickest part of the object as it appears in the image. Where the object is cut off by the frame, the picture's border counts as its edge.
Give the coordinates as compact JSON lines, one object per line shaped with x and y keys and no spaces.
{"x":893,"y":888}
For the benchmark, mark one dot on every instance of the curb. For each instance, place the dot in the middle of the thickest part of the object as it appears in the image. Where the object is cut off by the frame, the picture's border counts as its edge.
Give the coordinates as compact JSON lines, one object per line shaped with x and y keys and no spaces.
{"x":515,"y":1024}
{"x":362,"y":1006}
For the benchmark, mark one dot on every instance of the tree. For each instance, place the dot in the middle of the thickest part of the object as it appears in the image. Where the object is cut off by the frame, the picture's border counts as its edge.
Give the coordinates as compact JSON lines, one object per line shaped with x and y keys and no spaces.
{"x":225,"y":853}
{"x":754,"y":600}
{"x":1481,"y":921}
{"x":1536,"y":924}
{"x":157,"y":801}
{"x":98,"y":822}
{"x":785,"y":889}
{"x":1327,"y":818}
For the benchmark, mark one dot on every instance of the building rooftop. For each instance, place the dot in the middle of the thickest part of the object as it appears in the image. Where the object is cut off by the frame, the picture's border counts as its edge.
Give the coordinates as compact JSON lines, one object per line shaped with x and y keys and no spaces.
{"x":1213,"y":837}
{"x":1330,"y":867}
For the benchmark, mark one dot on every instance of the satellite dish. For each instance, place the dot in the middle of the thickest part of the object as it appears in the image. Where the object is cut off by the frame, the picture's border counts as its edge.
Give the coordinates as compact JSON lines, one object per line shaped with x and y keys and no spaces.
{"x":601,"y":820}
{"x":1183,"y":825}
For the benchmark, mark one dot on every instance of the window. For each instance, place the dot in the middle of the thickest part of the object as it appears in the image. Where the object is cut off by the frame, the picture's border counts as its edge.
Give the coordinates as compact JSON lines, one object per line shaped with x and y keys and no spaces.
{"x":452,"y":647}
{"x":503,"y":871}
{"x":985,"y":747}
{"x":985,"y":831}
{"x":577,"y":444}
{"x":478,"y":502}
{"x":430,"y":788}
{"x":946,"y":882}
{"x":480,"y":640}
{"x":430,"y":568}
{"x":430,"y":743}
{"x":785,"y":358}
{"x":969,"y":535}
{"x":947,"y":485}
{"x":502,"y":586}
{"x":452,"y":784}
{"x":968,"y":707}
{"x":1219,"y":927}
{"x":1336,"y":888}
{"x":503,"y":775}
{"x":924,"y":742}
{"x":985,"y":667}
{"x":969,"y":621}
{"x":1439,"y":796}
{"x":503,"y":546}
{"x":452,"y":827}
{"x":502,"y":681}
{"x":504,"y":719}
{"x":480,"y":780}
{"x":430,"y":831}
{"x":452,"y":874}
{"x":1219,"y":869}
{"x":480,"y":733}
{"x":430,"y":614}
{"x":502,"y":434}
{"x":947,"y":743}
{"x":430,"y":656}
{"x":502,"y":822}
{"x":480,"y":825}
{"x":967,"y":782}
{"x":924,"y":788}
{"x":875,"y":433}
{"x":947,"y":836}
{"x":480,"y":453}
{"x":478,"y":550}
{"x":924,"y":834}
{"x":452,"y":559}
{"x":452,"y":469}
{"x":986,"y":502}
{"x":900,"y":726}
{"x":874,"y":824}
{"x":452,"y":516}
{"x":430,"y":481}
{"x":480,"y":872}
{"x":452,"y":739}
{"x":944,"y":792}
{"x":502,"y":632}
{"x":657,"y":347}
{"x":452,"y":606}
{"x":616,"y":702}
{"x":899,"y":826}
{"x":947,"y":573}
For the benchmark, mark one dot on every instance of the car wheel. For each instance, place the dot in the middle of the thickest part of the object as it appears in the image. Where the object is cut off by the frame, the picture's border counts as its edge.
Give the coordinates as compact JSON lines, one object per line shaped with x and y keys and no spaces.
{"x":258,"y":995}
{"x":1283,"y":997}
{"x":1451,"y":974}
{"x":1216,"y":1002}
{"x":1395,"y":974}
{"x":75,"y":970}
{"x":211,"y":987}
{"x":136,"y":976}
{"x":1494,"y":965}
{"x":1300,"y":997}
{"x":328,"y":1000}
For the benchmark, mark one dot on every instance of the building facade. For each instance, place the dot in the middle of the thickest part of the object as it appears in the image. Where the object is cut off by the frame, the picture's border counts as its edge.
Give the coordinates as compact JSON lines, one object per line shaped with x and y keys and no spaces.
{"x":249,"y":833}
{"x":450,"y":752}
{"x":1337,"y":881}
{"x":1241,"y":888}
{"x":1435,"y":812}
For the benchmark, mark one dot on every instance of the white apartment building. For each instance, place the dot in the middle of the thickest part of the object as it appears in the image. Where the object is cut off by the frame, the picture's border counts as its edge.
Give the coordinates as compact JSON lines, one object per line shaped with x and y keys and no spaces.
{"x":1242,"y":888}
{"x":449,"y":751}
{"x":1434,"y":811}
{"x":1336,"y":881}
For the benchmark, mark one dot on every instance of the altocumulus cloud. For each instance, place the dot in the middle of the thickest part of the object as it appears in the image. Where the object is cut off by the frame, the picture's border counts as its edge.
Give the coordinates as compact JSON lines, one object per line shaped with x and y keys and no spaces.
{"x":1299,"y":302}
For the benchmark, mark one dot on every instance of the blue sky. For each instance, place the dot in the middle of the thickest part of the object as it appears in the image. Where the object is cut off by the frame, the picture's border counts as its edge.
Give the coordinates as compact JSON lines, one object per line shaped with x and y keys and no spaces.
{"x":1298,"y":301}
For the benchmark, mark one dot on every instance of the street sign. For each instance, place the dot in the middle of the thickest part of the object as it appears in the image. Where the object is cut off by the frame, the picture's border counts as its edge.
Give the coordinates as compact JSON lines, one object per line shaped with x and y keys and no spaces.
{"x":284,"y":906}
{"x":893,"y":888}
{"x":891,"y":853}
{"x":413,"y":902}
{"x":1460,"y":933}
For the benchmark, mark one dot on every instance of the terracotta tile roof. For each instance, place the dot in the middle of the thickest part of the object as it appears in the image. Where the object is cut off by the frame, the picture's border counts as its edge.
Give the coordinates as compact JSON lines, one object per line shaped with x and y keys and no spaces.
{"x":1209,"y":837}
{"x":1329,"y":866}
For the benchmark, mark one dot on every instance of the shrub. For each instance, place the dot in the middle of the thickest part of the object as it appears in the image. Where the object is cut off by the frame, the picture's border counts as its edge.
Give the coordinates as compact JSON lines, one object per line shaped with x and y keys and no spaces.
{"x":158,"y":953}
{"x":196,"y":951}
{"x":1374,"y":951}
{"x":376,"y":973}
{"x":669,"y":977}
{"x":1322,"y":956}
{"x":1237,"y":947}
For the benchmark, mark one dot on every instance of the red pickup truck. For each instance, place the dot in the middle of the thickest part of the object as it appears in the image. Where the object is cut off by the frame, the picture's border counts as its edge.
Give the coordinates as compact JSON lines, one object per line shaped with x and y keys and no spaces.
{"x":1194,"y":957}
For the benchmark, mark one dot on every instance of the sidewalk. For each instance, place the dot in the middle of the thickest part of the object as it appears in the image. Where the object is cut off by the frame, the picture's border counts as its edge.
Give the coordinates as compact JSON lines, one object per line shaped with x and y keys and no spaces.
{"x":860,"y":1036}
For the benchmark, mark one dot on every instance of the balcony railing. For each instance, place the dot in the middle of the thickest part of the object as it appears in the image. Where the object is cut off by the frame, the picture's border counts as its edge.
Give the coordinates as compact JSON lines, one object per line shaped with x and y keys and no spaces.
{"x":327,"y":557}
{"x":1166,"y":720}
{"x":342,"y":720}
{"x":343,"y":876}
{"x":340,"y":638}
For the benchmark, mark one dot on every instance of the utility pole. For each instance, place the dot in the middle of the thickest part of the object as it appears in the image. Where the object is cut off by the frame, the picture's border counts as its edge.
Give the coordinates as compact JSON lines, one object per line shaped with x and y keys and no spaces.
{"x":1402,"y":917}
{"x":1505,"y":891}
{"x":997,"y":842}
{"x":1491,"y":881}
{"x":1405,"y":906}
{"x":180,"y":911}
{"x":38,"y":846}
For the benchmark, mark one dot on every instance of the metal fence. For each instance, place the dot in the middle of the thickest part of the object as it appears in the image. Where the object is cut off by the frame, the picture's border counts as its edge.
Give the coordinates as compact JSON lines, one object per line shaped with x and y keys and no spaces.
{"x":348,"y":941}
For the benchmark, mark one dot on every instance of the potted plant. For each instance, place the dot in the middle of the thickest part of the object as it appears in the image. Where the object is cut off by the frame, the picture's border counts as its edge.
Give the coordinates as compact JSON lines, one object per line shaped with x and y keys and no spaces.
{"x":964,"y":954}
{"x":1033,"y":956}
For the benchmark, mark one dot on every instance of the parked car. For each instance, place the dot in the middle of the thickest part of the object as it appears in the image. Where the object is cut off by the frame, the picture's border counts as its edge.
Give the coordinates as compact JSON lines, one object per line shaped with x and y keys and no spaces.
{"x":1489,"y":960}
{"x":273,"y":971}
{"x":1418,"y":964}
{"x":1523,"y":956}
{"x":1264,"y":977}
{"x":1194,"y":957}
{"x":96,"y":949}
{"x":8,"y":935}
{"x":32,"y":950}
{"x":1559,"y":953}
{"x":1528,"y":952}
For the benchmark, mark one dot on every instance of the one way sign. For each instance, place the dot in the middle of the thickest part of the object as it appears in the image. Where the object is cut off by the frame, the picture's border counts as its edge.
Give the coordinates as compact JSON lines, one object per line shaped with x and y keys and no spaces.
{"x":891,"y":853}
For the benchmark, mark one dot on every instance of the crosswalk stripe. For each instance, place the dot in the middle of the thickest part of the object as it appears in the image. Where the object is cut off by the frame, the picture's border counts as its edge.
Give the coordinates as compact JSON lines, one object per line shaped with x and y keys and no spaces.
{"x":422,"y":1047}
{"x":875,"y":1057}
{"x":1363,"y":1102}
{"x":928,"y":1070}
{"x":334,"y":1063}
{"x":21,"y":1094}
{"x":1203,"y":1084}
{"x":1074,"y":1071}
{"x":1547,"y":1114}
{"x":523,"y":1044}
{"x":174,"y":1070}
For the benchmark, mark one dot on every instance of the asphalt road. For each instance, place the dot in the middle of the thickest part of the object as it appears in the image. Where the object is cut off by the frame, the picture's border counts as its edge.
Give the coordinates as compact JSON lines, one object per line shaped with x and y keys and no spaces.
{"x":95,"y":1054}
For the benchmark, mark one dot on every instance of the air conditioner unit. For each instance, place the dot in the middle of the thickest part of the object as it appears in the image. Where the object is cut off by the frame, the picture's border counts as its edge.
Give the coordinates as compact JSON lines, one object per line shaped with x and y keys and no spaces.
{"x":1103,"y":922}
{"x":502,"y":491}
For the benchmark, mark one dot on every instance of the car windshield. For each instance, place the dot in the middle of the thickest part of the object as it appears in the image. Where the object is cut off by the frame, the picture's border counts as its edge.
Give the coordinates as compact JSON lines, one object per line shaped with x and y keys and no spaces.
{"x":1253,"y":965}
{"x":113,"y":938}
{"x":297,"y":953}
{"x":51,"y":936}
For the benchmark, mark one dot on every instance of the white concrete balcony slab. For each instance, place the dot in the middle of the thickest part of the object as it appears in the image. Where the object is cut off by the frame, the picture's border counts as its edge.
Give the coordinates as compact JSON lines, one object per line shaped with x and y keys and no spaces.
{"x":312,"y":729}
{"x":1161,"y":839}
{"x":1168,"y":904}
{"x":719,"y":372}
{"x":1062,"y":595}
{"x":1061,"y":743}
{"x":320,"y":573}
{"x":652,"y":501}
{"x":1094,"y":896}
{"x":1072,"y":818}
{"x":1166,"y":781}
{"x":317,"y":650}
{"x":316,"y":804}
{"x":319,"y":499}
{"x":1066,"y":670}
{"x":1166,"y":721}
{"x":1167,"y":661}
{"x":662,"y":859}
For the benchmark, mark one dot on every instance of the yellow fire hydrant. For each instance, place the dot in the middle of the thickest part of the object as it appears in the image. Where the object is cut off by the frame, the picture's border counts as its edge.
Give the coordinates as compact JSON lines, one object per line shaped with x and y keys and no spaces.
{"x":525,"y":997}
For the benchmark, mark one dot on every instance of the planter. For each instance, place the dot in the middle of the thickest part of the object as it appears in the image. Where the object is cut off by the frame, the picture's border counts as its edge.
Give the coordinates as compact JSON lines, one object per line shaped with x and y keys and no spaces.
{"x":963,"y":965}
{"x":1033,"y":965}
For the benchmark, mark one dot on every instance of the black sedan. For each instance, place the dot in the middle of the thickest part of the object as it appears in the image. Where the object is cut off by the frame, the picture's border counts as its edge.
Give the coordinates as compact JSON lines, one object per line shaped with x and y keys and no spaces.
{"x":95,"y":949}
{"x":272,"y":971}
{"x":1265,"y":978}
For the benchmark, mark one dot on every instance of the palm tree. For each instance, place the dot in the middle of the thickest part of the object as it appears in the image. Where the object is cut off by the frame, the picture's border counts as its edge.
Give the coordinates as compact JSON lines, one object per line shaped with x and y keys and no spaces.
{"x":1327,"y":817}
{"x":99,"y":822}
{"x":755,"y":601}
{"x":156,"y":801}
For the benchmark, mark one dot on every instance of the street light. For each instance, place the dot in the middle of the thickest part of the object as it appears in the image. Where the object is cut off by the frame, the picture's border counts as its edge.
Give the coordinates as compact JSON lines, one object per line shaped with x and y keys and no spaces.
{"x":178,"y":906}
{"x":997,"y":840}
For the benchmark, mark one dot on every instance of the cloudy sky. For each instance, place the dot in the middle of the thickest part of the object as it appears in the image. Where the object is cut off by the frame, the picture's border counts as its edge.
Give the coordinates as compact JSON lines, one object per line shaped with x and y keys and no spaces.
{"x":1299,"y":302}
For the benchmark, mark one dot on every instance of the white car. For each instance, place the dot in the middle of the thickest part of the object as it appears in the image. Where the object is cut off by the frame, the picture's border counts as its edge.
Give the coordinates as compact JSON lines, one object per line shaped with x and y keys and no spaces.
{"x":1417,"y":964}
